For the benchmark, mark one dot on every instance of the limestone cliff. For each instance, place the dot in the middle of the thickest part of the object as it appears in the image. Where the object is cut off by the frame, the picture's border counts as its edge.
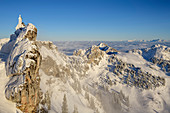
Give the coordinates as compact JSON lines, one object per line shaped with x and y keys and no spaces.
{"x":22,"y":68}
{"x":96,"y":53}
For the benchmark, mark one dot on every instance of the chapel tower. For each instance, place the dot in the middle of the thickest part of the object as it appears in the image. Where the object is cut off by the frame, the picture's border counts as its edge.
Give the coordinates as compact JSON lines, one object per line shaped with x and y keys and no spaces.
{"x":20,"y":23}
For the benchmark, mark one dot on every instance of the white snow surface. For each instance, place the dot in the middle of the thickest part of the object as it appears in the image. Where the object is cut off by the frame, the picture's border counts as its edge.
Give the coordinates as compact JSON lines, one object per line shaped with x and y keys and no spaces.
{"x":150,"y":101}
{"x":156,"y":51}
{"x":139,"y":61}
{"x":17,"y":57}
{"x":6,"y":106}
{"x":3,"y":41}
{"x":17,"y":62}
{"x":156,"y":100}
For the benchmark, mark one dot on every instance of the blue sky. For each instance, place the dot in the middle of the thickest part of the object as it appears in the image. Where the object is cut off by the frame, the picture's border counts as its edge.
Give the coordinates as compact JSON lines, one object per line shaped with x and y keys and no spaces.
{"x":107,"y":20}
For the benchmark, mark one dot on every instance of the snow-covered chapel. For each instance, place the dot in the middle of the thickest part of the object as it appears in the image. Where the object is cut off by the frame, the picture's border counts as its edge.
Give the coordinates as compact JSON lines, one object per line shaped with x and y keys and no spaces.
{"x":20,"y":23}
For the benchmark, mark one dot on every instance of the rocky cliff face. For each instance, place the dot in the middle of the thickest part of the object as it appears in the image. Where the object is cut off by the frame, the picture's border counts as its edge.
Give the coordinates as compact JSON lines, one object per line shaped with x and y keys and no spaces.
{"x":96,"y":53}
{"x":58,"y":64}
{"x":22,"y":69}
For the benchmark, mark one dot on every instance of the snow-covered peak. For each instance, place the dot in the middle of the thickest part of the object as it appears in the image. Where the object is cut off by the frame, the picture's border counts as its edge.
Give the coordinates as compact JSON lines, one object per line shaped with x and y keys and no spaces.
{"x":108,"y":49}
{"x":102,"y":45}
{"x":156,"y":51}
{"x":95,"y":53}
{"x":158,"y":46}
{"x":22,"y":68}
{"x":23,"y":43}
{"x":99,"y":47}
{"x":28,"y":32}
{"x":157,"y":54}
{"x":30,"y":26}
{"x":155,"y":46}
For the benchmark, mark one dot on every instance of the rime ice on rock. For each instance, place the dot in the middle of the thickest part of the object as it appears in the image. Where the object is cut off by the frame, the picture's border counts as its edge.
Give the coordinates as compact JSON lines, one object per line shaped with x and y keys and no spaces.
{"x":22,"y":68}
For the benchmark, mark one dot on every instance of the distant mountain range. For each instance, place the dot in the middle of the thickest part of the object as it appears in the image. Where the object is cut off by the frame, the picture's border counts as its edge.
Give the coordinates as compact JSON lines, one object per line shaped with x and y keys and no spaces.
{"x":154,"y":40}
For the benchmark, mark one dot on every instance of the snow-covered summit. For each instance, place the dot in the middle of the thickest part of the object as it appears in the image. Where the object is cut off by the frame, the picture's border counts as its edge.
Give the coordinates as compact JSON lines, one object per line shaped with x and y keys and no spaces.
{"x":29,"y":31}
{"x":156,"y":51}
{"x":95,"y":53}
{"x":108,"y":49}
{"x":22,"y":68}
{"x":23,"y":45}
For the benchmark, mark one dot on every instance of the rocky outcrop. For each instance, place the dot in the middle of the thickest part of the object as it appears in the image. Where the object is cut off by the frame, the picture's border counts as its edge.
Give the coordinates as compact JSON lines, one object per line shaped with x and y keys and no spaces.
{"x":133,"y":76}
{"x":104,"y":47}
{"x":58,"y":64}
{"x":127,"y":73}
{"x":95,"y":54}
{"x":163,"y":64}
{"x":22,"y":68}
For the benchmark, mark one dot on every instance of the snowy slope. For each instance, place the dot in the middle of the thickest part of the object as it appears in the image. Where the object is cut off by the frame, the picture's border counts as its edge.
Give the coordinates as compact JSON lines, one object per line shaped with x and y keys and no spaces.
{"x":155,"y":100}
{"x":97,"y":79}
{"x":99,"y":82}
{"x":64,"y":79}
{"x":134,"y":63}
{"x":156,"y":54}
{"x":3,"y":41}
{"x":5,"y":105}
{"x":158,"y":51}
{"x":92,"y":84}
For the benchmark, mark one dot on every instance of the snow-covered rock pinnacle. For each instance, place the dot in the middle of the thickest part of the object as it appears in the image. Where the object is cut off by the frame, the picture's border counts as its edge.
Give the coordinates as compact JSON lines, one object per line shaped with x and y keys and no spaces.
{"x":22,"y":68}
